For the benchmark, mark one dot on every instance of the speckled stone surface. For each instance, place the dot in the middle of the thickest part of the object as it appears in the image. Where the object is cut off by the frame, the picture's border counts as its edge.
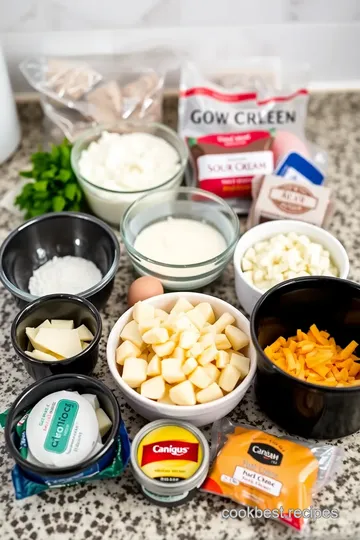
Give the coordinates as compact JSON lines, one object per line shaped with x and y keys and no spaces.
{"x":114,"y":509}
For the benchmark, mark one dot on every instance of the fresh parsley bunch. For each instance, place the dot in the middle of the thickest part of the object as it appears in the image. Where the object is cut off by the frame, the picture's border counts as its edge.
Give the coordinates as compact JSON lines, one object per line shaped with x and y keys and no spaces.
{"x":55,"y":187}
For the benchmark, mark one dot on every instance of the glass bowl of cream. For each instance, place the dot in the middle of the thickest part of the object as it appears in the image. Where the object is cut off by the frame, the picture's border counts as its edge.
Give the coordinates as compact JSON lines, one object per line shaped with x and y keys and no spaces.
{"x":115,"y":165}
{"x":184,"y":237}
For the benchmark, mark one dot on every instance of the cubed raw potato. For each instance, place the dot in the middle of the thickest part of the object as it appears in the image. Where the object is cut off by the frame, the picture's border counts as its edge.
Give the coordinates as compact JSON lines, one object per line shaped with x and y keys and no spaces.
{"x":65,"y":343}
{"x":179,"y":353}
{"x":211,"y":393}
{"x":200,"y":378}
{"x":188,"y":339}
{"x":197,"y":318}
{"x":171,"y":370}
{"x":212,"y":371}
{"x":241,"y":363}
{"x":164,"y":349}
{"x":223,"y":322}
{"x":60,"y":323}
{"x":229,"y":378}
{"x":189,"y":365}
{"x":208,"y":329}
{"x":48,"y":324}
{"x":223,"y":358}
{"x":161,"y":314}
{"x":196,"y":350}
{"x":166,"y":398}
{"x":237,"y":337}
{"x":182,"y":306}
{"x":154,"y":366}
{"x":104,"y":421}
{"x":40,"y":355}
{"x":142,"y":311}
{"x":183,"y":394}
{"x":221,"y":342}
{"x":148,"y":324}
{"x":131,"y":332}
{"x":125,"y":350}
{"x":153,"y":388}
{"x":207,"y":311}
{"x":182,"y":322}
{"x":134,"y":371}
{"x":208,"y":355}
{"x":31,"y":334}
{"x":207,"y":340}
{"x":155,"y":336}
{"x":84,"y":333}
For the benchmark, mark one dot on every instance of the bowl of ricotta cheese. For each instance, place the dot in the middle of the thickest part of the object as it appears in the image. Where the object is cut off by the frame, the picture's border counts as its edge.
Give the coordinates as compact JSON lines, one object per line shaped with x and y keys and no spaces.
{"x":183,"y":237}
{"x":115,"y":165}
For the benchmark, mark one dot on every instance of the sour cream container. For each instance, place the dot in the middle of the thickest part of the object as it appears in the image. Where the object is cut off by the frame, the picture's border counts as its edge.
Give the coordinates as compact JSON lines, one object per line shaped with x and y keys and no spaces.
{"x":170,"y":460}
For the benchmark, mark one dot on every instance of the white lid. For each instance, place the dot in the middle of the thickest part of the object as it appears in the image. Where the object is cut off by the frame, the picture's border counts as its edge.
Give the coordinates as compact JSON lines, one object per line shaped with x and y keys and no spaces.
{"x":62,"y":429}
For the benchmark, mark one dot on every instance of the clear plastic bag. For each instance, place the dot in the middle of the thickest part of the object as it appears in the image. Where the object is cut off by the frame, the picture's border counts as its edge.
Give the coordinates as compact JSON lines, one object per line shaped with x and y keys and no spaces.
{"x":78,"y":93}
{"x":257,"y":469}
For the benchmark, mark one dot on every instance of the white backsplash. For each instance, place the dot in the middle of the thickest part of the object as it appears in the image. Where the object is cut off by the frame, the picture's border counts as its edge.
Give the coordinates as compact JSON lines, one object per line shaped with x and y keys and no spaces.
{"x":323,"y":32}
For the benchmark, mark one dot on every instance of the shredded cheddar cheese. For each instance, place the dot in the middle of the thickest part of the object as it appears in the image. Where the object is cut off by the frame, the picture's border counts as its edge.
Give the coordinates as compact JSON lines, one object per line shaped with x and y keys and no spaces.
{"x":316,"y":358}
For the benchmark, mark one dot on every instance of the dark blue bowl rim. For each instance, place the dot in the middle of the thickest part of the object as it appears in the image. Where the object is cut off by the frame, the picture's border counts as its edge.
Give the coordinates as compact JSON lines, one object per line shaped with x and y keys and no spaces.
{"x":27,"y":297}
{"x":43,"y":300}
{"x":259,"y":349}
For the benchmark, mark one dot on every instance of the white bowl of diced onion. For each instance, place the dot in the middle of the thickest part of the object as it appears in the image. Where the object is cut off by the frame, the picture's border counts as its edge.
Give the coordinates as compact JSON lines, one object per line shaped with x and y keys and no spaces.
{"x":201,"y":413}
{"x":280,"y":250}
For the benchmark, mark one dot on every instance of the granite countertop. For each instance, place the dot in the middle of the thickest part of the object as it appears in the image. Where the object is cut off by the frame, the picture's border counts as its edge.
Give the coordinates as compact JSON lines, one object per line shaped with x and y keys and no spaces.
{"x":115,"y":508}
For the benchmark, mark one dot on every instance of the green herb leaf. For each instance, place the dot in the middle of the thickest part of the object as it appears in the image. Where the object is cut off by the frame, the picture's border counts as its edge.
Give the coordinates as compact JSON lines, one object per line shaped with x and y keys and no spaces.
{"x":58,"y":203}
{"x":55,"y":187}
{"x":71,"y":191}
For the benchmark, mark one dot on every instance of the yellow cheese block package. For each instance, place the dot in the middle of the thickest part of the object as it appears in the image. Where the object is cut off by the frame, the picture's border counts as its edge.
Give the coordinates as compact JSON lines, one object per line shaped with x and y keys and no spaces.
{"x":276,"y":475}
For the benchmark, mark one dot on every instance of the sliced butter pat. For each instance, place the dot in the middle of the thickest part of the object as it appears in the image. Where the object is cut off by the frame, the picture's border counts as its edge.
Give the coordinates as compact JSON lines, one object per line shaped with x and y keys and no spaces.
{"x":65,"y":343}
{"x":93,"y":400}
{"x":84,"y":333}
{"x":183,"y":394}
{"x":40,"y":355}
{"x":31,"y":334}
{"x":104,"y":421}
{"x":45,"y":324}
{"x":63,"y":324}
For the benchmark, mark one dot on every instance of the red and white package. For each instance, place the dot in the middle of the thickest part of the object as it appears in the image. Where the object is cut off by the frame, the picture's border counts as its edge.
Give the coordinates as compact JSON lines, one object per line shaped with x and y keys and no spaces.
{"x":230,"y":132}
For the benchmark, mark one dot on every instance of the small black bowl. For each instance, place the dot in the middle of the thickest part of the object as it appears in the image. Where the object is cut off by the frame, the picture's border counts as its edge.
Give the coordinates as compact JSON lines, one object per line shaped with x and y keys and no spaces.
{"x":57,"y":306}
{"x":59,"y":234}
{"x":302,"y":408}
{"x":32,"y":395}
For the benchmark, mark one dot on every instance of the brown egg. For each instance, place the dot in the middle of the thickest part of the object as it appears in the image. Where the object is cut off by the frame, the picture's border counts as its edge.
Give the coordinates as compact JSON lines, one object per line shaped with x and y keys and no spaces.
{"x":144,"y":287}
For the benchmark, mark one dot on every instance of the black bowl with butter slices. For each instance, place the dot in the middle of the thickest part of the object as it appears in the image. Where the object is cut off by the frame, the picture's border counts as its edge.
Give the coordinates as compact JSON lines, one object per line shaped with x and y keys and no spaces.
{"x":48,"y":313}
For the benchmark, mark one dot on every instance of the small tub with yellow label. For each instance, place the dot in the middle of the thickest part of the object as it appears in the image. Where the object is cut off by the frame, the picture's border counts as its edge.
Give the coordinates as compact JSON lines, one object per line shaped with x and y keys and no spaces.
{"x":170,"y":461}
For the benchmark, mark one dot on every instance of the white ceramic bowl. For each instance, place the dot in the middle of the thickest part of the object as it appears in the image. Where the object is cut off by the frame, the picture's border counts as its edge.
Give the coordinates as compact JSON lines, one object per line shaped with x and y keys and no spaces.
{"x":201,"y":414}
{"x":247,"y":294}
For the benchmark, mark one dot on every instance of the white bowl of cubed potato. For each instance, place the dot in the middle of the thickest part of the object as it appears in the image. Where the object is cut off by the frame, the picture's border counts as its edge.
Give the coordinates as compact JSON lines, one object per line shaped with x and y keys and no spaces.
{"x":184,"y":355}
{"x":263,"y":243}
